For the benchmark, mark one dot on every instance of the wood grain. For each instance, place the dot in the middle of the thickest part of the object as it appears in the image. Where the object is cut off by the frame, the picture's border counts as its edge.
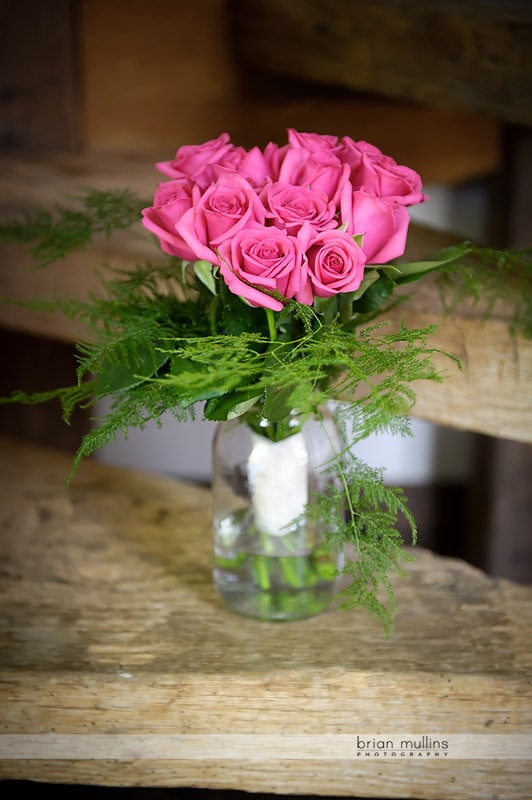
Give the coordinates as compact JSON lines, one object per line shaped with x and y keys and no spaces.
{"x":490,"y":392}
{"x":155,"y":75}
{"x":473,"y":55}
{"x":110,"y":625}
{"x":38,"y":77}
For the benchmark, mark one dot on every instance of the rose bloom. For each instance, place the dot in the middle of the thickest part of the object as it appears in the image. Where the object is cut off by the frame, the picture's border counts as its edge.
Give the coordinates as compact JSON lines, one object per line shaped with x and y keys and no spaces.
{"x":371,"y":169}
{"x":335,"y":264}
{"x":312,"y":141}
{"x":193,"y":160}
{"x":259,"y":259}
{"x":382,"y":222}
{"x":309,"y":142}
{"x":274,"y":156}
{"x":288,"y":207}
{"x":225,"y":207}
{"x":249,"y":164}
{"x":171,"y":200}
{"x":321,"y":171}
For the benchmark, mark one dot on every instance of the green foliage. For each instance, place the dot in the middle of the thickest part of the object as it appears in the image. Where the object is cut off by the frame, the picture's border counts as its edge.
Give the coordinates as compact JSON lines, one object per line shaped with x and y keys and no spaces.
{"x":486,"y":277}
{"x":134,"y":409}
{"x":68,"y":228}
{"x":363,"y":514}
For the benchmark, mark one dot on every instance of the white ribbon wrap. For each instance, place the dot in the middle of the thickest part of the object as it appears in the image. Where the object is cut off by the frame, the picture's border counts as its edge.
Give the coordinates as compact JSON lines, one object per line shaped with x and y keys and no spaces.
{"x":278,"y":480}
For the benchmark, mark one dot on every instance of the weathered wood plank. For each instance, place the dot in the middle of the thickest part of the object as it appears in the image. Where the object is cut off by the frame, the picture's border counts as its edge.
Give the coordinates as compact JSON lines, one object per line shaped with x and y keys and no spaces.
{"x":111,"y":626}
{"x":472,"y":55}
{"x":447,"y":147}
{"x":490,"y":391}
{"x":38,"y":76}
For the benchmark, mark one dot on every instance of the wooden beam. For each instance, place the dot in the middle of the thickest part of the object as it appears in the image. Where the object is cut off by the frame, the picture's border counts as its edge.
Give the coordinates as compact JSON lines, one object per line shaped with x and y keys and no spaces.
{"x":444,"y":146}
{"x":38,"y":76}
{"x":473,"y":55}
{"x":492,"y":391}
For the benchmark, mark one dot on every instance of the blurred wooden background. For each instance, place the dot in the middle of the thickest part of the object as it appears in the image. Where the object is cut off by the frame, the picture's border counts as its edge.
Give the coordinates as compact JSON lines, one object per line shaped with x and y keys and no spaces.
{"x":96,"y":85}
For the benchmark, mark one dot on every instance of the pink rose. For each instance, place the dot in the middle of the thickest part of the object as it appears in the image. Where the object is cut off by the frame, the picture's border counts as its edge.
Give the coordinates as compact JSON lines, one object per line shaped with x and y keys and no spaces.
{"x":383,"y":223}
{"x":335,"y":264}
{"x":225,"y":207}
{"x":249,"y":164}
{"x":171,"y":200}
{"x":321,"y":171}
{"x":192,"y":160}
{"x":372,"y":170}
{"x":352,"y":152}
{"x":312,"y":141}
{"x":290,"y":206}
{"x":274,"y":156}
{"x":257,"y":260}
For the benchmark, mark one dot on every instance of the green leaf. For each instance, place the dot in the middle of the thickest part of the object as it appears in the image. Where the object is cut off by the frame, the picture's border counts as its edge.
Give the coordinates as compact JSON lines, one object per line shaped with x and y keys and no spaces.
{"x":69,"y":228}
{"x":192,"y":383}
{"x":231,"y":404}
{"x":413,"y":271}
{"x":241,"y":408}
{"x":375,"y":295}
{"x":277,"y":405}
{"x":128,"y":366}
{"x":204,"y":273}
{"x":236,"y":317}
{"x":327,"y":307}
{"x":370,"y":277}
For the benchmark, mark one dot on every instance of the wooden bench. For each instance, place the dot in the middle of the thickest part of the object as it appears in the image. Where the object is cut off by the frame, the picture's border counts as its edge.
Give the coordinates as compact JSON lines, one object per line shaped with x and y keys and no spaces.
{"x":120,"y":666}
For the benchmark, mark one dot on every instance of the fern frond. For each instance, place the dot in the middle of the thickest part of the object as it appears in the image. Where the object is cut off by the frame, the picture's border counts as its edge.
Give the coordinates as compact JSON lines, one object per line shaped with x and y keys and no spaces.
{"x":134,"y":409}
{"x":363,"y":513}
{"x":68,"y":228}
{"x":486,"y":276}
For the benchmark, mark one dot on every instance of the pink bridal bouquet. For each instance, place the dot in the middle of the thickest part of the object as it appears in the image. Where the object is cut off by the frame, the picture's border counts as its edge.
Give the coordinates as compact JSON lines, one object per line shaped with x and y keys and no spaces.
{"x":296,"y":222}
{"x":265,"y":305}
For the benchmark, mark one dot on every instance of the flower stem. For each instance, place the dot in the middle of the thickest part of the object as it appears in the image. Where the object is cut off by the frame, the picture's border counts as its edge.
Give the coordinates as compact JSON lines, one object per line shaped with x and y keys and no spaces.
{"x":270,"y":316}
{"x":298,"y":572}
{"x":290,"y":572}
{"x":262,"y":573}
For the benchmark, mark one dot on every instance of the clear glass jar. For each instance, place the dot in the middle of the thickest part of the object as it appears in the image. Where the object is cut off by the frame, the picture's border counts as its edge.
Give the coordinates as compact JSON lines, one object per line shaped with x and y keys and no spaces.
{"x":271,"y":562}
